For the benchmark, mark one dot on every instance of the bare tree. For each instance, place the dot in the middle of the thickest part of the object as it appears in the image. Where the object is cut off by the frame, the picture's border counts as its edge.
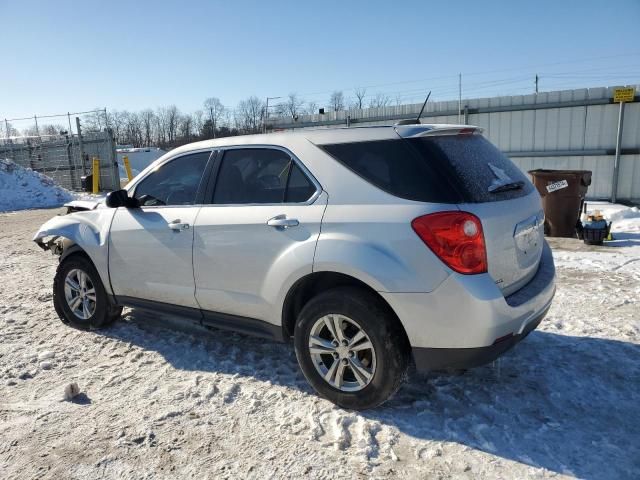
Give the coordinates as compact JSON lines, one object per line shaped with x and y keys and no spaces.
{"x":7,"y":130}
{"x":337,"y":101}
{"x":214,"y":108}
{"x":51,"y":129}
{"x":161,"y":127}
{"x":360,"y":93}
{"x":134,"y":128}
{"x":197,"y":119}
{"x":31,"y":131}
{"x":312,"y":108}
{"x":173,"y":116}
{"x":115,"y":121}
{"x":294,"y":105}
{"x":94,"y":121}
{"x":185,"y":128}
{"x":380,"y":100}
{"x":147,"y":118}
{"x":249,"y":115}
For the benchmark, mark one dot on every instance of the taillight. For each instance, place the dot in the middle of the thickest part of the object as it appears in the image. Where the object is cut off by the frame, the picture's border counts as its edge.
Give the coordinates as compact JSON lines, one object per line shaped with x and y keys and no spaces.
{"x":456,"y":238}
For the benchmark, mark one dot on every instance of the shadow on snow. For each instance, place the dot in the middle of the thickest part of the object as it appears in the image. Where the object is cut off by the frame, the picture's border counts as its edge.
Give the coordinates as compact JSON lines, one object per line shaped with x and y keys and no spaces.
{"x":565,"y":403}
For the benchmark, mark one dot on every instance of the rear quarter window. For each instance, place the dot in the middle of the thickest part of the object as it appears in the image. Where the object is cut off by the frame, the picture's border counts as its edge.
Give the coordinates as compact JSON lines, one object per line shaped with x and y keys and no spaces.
{"x":396,"y":168}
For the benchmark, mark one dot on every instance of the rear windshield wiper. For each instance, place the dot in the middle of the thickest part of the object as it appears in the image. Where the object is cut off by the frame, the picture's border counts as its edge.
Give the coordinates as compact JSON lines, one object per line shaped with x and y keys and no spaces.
{"x":503,"y":187}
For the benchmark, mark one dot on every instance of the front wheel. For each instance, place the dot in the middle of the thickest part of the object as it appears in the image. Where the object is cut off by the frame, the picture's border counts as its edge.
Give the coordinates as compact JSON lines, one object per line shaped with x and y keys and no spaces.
{"x":351,"y":348}
{"x":79,"y":297}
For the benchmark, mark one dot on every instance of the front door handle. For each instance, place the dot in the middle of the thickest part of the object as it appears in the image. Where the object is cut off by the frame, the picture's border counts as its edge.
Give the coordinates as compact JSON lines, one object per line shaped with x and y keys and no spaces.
{"x":178,"y":226}
{"x":281,"y":221}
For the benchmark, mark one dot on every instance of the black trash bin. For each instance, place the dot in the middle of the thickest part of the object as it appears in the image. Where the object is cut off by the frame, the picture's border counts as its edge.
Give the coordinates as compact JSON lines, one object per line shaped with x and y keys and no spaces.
{"x":563,"y":193}
{"x":86,"y":183}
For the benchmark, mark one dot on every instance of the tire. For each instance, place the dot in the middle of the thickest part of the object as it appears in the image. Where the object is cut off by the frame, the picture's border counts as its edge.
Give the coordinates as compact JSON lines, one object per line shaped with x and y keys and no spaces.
{"x":103,"y":312}
{"x":386,"y":363}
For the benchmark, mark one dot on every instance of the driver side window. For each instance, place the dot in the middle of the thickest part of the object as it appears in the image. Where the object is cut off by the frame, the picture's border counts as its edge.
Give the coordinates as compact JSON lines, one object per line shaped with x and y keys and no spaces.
{"x":173,"y":183}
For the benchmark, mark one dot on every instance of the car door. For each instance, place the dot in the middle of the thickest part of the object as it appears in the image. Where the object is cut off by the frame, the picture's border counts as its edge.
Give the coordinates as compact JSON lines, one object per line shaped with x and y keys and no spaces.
{"x":151,"y":247}
{"x":259,"y":231}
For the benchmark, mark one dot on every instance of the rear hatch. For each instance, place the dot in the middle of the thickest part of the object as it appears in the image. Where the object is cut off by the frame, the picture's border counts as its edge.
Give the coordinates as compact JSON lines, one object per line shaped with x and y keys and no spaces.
{"x":495,"y":190}
{"x":458,"y":168}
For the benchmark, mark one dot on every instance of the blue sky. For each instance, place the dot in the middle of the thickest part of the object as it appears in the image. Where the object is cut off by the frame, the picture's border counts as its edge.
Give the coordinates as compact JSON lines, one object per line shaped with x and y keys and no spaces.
{"x":61,"y":56}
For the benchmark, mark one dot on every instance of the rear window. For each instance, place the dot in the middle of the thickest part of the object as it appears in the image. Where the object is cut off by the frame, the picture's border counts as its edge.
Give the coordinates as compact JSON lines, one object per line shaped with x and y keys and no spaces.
{"x":439,"y":169}
{"x":477,"y":164}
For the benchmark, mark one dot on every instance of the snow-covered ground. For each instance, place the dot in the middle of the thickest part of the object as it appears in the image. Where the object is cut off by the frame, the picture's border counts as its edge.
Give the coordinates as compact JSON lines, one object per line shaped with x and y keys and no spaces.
{"x":163,"y":402}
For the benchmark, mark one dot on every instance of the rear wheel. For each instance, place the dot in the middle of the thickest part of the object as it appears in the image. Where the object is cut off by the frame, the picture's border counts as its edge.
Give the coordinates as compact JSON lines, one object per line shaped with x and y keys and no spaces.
{"x":351,"y":348}
{"x":79,"y":296}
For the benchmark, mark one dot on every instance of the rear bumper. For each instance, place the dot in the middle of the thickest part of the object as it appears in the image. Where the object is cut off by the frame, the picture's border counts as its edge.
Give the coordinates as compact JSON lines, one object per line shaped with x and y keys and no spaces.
{"x":427,"y":359}
{"x":467,"y":321}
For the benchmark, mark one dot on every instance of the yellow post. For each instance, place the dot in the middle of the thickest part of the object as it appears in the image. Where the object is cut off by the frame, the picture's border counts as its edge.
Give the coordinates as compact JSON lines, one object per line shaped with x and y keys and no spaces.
{"x":127,"y":167}
{"x":96,"y":175}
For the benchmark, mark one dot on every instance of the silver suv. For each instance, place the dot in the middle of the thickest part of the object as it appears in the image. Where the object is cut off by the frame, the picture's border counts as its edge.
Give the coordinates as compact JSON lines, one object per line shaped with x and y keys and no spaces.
{"x":370,"y":247}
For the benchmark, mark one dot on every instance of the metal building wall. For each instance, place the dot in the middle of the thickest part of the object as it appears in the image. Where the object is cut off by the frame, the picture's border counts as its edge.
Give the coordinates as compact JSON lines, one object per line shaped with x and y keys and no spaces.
{"x":569,"y":129}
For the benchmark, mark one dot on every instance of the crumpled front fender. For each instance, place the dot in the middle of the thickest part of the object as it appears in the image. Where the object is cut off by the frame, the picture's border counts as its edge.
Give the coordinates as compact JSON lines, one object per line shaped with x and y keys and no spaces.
{"x":89,"y":230}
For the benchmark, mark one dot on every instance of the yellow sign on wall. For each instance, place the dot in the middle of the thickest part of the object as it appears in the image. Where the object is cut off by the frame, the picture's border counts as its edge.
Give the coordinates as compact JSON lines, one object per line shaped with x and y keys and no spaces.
{"x":624,"y":94}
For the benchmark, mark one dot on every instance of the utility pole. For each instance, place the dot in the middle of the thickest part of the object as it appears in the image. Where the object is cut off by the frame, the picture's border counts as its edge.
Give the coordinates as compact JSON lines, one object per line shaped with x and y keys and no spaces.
{"x":537,"y":78}
{"x":35,"y":119}
{"x":459,"y":97}
{"x":616,"y":162}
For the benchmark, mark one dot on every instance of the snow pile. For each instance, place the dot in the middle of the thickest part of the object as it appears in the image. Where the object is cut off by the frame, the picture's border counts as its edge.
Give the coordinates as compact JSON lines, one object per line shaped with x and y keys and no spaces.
{"x":22,"y":188}
{"x":625,"y":220}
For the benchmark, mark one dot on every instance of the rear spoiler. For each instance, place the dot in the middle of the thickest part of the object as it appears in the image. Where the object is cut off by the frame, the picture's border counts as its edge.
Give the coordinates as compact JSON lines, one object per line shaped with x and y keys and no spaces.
{"x":413,"y":131}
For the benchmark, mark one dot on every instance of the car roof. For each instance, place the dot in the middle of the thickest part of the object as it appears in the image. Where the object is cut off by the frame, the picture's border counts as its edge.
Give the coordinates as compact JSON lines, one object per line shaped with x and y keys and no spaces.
{"x":322,"y":136}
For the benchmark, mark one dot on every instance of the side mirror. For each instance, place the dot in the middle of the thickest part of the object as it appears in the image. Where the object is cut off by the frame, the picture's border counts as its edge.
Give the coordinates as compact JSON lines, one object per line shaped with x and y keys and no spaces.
{"x":120,"y":198}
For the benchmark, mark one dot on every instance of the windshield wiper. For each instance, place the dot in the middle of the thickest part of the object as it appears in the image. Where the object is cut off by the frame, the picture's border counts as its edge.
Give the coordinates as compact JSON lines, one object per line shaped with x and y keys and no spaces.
{"x":503,"y":187}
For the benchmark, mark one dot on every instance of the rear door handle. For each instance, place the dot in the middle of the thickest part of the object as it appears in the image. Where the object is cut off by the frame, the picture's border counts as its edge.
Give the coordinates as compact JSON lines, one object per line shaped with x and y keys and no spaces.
{"x":281,"y":221}
{"x":178,"y":226}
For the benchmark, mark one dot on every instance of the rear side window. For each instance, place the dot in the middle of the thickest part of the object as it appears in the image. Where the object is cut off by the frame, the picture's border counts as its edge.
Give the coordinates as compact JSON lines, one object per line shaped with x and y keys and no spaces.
{"x":260,"y":175}
{"x":299,"y":188}
{"x":484,"y":173}
{"x":396,"y":168}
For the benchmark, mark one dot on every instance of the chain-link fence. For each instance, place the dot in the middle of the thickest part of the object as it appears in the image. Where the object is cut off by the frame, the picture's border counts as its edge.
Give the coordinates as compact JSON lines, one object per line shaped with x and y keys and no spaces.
{"x":65,"y":156}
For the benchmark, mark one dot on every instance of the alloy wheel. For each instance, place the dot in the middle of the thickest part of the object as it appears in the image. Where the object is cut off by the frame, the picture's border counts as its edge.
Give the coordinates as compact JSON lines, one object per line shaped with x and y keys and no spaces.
{"x":342,"y":352}
{"x":80,"y":294}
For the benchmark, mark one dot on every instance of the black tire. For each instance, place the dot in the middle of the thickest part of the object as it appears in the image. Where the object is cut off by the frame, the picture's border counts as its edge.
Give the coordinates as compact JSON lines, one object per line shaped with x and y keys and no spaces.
{"x":105,"y":312}
{"x":383,"y":329}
